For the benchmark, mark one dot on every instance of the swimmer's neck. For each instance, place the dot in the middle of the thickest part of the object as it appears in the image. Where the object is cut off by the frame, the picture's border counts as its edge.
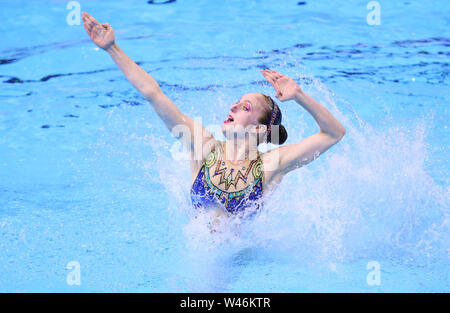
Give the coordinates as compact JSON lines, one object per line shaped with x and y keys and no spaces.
{"x":241,"y":149}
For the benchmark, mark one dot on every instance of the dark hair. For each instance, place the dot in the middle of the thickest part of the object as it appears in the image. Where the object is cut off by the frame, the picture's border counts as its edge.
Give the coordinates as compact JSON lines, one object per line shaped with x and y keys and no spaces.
{"x":272,"y":112}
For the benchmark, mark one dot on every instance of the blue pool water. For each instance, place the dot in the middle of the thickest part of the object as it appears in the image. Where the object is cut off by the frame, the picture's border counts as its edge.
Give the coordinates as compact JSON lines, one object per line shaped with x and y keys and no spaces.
{"x":89,"y":173}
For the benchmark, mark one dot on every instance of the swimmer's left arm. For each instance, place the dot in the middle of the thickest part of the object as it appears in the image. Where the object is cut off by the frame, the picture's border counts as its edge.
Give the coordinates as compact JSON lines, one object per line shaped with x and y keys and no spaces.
{"x":331,"y":130}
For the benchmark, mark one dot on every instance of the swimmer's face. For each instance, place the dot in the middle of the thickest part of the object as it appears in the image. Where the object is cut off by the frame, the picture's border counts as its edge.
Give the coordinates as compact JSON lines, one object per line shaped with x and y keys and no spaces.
{"x":244,"y":113}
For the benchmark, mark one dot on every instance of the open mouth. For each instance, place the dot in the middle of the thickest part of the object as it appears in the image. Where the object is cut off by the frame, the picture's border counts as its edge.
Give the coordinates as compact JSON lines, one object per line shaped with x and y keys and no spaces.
{"x":229,"y":120}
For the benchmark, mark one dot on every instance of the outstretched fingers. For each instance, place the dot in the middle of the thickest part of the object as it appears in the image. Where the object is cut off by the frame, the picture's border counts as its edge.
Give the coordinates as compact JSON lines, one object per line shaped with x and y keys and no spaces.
{"x":272,"y":74}
{"x":89,"y":28}
{"x":269,"y":76}
{"x":276,"y":74}
{"x":90,"y":18}
{"x":87,"y":22}
{"x":91,"y":21}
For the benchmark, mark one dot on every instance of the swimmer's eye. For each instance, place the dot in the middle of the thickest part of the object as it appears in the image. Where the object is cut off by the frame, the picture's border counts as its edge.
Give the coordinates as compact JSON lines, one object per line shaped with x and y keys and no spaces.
{"x":245,"y":107}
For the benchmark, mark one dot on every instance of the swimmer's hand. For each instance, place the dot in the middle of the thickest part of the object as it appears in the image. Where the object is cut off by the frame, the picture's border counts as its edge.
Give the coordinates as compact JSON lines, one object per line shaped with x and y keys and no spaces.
{"x":286,"y":88}
{"x":101,"y":34}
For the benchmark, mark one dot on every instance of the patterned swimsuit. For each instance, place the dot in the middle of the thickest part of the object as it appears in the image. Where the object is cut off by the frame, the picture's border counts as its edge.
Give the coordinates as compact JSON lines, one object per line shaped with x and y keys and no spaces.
{"x":204,"y":193}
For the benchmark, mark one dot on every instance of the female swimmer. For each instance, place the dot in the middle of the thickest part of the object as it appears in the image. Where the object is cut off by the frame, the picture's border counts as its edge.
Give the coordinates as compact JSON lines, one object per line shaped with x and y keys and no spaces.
{"x":230,"y":176}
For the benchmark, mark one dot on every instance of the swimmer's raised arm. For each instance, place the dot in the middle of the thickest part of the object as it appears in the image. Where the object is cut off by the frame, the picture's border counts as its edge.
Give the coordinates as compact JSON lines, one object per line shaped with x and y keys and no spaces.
{"x":103,"y":36}
{"x":331,"y":131}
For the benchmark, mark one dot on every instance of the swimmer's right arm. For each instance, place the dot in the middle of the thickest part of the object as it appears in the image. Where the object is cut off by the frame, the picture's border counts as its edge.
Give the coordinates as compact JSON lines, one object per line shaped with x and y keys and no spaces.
{"x":103,"y":36}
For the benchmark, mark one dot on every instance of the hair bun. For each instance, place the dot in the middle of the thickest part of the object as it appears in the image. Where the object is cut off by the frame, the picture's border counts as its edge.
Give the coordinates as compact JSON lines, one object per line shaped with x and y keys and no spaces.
{"x":278,"y":134}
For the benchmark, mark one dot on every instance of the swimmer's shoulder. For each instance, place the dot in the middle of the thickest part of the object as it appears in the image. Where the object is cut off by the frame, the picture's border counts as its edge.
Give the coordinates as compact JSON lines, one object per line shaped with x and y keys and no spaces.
{"x":198,"y":161}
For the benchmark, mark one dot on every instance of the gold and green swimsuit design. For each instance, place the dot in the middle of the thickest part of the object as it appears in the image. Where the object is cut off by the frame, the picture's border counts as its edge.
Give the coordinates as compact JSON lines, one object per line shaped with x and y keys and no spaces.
{"x":205,"y":193}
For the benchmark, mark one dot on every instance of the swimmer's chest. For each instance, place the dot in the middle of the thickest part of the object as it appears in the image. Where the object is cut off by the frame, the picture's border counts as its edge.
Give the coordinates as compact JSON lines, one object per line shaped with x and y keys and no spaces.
{"x":230,"y":177}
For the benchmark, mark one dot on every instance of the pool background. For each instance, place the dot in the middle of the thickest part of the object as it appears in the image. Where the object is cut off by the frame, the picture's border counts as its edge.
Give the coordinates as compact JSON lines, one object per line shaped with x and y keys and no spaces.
{"x":88,"y":174}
